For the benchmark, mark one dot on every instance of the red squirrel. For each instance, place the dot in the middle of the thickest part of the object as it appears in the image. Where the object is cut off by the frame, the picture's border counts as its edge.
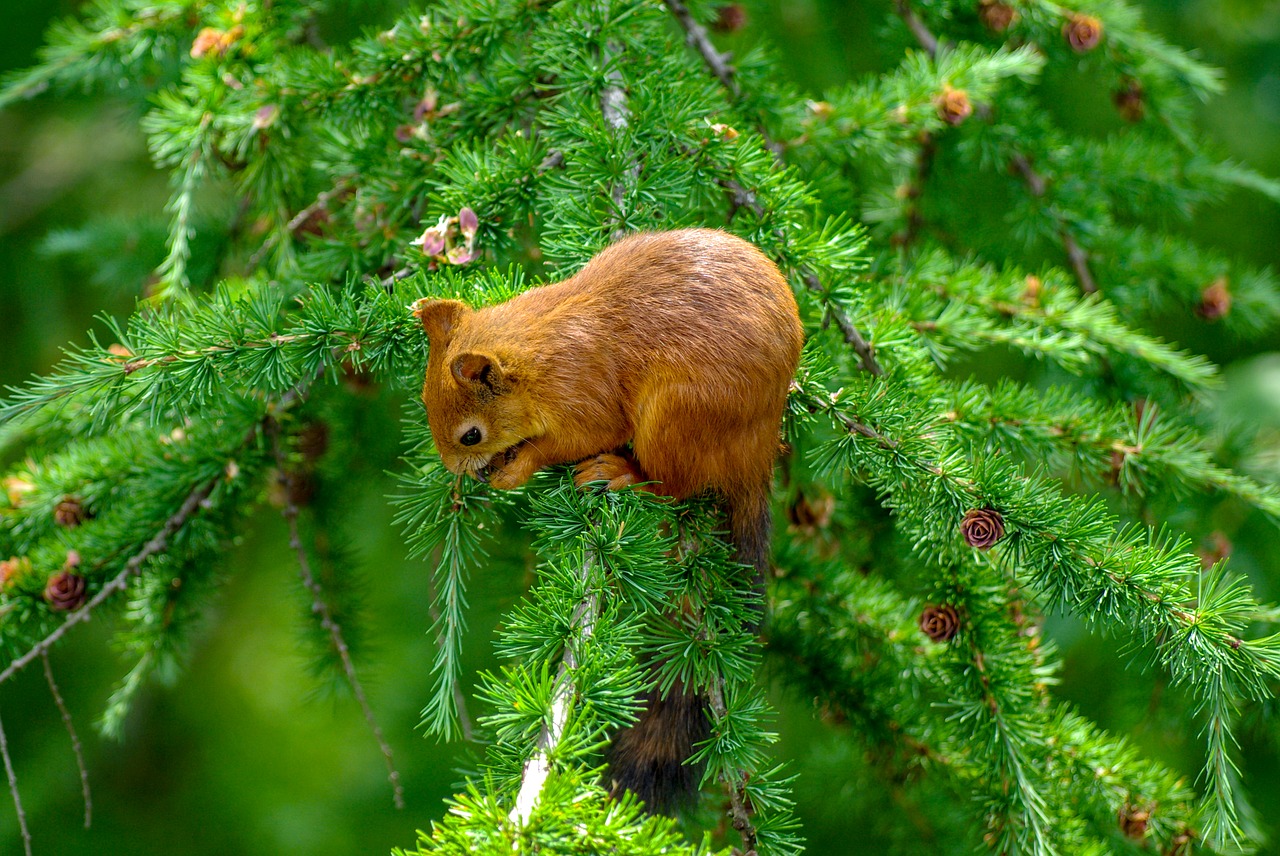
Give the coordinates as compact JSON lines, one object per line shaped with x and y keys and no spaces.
{"x":682,"y":344}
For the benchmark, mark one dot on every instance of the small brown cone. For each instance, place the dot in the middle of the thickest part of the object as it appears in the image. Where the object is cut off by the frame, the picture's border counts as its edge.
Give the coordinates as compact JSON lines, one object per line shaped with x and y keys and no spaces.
{"x":1082,"y":32}
{"x":953,"y":106}
{"x":982,"y":527}
{"x":70,"y":512}
{"x":940,"y":623}
{"x":1215,"y":300}
{"x":996,"y":16}
{"x":65,"y":590}
{"x":730,"y":18}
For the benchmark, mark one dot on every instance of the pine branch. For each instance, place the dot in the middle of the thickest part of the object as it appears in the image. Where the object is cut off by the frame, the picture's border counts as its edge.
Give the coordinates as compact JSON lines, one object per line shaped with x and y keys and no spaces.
{"x":75,"y":740}
{"x":158,"y":544}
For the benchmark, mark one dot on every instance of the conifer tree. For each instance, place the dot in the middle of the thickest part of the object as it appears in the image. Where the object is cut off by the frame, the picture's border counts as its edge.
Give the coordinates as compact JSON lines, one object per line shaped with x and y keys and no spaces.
{"x":927,"y":519}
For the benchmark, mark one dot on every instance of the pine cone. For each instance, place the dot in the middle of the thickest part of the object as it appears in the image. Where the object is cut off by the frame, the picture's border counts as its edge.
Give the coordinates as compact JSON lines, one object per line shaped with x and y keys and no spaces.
{"x":996,"y":16}
{"x":939,"y":623}
{"x":1082,"y":32}
{"x":953,"y":105}
{"x":730,"y":18}
{"x":1215,"y":300}
{"x":982,"y":527}
{"x":1129,"y":101}
{"x":65,"y":591}
{"x":70,"y":512}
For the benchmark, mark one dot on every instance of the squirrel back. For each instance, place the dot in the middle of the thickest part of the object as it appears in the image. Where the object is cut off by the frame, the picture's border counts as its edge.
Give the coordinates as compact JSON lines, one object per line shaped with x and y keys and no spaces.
{"x":682,"y":344}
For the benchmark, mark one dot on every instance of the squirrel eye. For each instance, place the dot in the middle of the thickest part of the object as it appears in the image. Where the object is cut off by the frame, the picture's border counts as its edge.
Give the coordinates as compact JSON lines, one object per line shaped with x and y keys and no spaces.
{"x":470,"y":438}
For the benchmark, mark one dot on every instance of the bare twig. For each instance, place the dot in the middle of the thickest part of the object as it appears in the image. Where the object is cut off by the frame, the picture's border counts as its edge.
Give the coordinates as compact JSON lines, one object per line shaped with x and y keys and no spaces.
{"x":1036,"y":183}
{"x":537,"y":768}
{"x":13,"y":790}
{"x":75,"y":739}
{"x":613,"y":105}
{"x":157,"y":544}
{"x":1079,"y":259}
{"x":696,"y":37}
{"x":299,"y":220}
{"x":320,"y":606}
{"x":927,"y":39}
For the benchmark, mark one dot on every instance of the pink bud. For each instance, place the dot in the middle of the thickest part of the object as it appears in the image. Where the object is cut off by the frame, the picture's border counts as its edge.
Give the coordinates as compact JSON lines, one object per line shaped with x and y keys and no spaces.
{"x":460,"y":255}
{"x":431,"y":242}
{"x":404,"y":133}
{"x":468,"y":222}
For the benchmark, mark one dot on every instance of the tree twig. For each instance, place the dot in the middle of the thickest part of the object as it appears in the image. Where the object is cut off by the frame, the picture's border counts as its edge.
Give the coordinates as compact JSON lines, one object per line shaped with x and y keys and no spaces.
{"x":13,"y":790}
{"x":320,"y":606}
{"x":1036,"y":183}
{"x":696,"y":37}
{"x":75,"y":739}
{"x":1079,"y":259}
{"x":740,"y":808}
{"x":537,"y":768}
{"x":459,"y":700}
{"x":923,"y":35}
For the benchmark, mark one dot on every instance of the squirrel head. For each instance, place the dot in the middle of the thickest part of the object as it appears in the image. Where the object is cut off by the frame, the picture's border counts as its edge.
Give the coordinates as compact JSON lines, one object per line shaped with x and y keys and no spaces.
{"x":474,"y":401}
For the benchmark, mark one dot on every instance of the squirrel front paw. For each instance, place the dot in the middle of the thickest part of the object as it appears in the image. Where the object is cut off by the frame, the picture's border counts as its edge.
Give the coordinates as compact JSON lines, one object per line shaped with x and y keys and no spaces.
{"x":618,"y":471}
{"x":511,"y":468}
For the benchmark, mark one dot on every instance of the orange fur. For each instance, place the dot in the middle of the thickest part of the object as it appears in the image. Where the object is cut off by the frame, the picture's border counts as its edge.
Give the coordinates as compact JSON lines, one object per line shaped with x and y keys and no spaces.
{"x":681,"y":343}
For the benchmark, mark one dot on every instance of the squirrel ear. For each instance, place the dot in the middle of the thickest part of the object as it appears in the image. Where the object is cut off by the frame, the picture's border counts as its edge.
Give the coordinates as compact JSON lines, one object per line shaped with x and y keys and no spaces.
{"x":478,"y":368}
{"x":438,"y":317}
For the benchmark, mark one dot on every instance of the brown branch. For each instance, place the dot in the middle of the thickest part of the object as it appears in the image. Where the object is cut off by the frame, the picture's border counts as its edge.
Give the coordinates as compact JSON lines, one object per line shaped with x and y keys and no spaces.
{"x":1036,"y":183}
{"x":696,"y":37}
{"x":299,"y":220}
{"x":75,"y":739}
{"x":157,"y":544}
{"x":13,"y":790}
{"x":320,"y":607}
{"x":927,"y":39}
{"x":915,"y":189}
{"x":1038,"y":186}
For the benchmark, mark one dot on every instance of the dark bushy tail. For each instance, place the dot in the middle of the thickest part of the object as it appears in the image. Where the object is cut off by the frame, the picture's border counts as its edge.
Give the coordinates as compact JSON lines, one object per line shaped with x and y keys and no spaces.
{"x":648,"y":758}
{"x":751,"y":526}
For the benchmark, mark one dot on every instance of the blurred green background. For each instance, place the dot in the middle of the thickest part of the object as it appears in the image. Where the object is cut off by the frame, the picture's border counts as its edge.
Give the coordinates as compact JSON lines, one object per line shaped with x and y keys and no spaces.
{"x":245,"y":753}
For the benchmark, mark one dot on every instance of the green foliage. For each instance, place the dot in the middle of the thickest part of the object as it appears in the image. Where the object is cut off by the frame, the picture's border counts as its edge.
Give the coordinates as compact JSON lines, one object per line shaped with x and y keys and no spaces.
{"x":562,"y":125}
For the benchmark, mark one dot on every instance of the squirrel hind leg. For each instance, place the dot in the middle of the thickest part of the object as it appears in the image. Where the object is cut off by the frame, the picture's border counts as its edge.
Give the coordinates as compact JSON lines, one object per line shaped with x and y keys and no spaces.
{"x":650,"y":757}
{"x":617,"y":470}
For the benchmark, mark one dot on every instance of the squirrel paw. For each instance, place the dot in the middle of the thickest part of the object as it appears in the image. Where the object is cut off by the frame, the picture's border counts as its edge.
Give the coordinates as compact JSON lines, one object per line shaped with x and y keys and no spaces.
{"x":614,"y":469}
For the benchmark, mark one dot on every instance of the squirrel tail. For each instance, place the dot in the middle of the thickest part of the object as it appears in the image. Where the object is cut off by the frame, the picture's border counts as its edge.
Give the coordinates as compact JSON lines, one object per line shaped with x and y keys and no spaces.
{"x":649,"y":758}
{"x":750,"y":527}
